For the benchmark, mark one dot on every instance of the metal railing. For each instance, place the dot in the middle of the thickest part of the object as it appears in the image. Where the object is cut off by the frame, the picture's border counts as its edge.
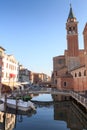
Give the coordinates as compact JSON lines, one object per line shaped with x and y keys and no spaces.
{"x":80,"y":98}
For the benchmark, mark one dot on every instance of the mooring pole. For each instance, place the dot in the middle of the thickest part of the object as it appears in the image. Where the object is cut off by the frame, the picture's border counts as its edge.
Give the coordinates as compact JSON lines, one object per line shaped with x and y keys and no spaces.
{"x":5,"y":103}
{"x":16,"y":104}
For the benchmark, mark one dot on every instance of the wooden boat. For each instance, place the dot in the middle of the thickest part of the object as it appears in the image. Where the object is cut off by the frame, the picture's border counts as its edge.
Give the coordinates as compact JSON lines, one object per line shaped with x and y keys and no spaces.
{"x":19,"y":104}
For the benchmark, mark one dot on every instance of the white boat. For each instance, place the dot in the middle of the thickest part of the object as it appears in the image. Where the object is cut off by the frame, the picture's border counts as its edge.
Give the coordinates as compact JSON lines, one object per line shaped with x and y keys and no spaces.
{"x":19,"y":104}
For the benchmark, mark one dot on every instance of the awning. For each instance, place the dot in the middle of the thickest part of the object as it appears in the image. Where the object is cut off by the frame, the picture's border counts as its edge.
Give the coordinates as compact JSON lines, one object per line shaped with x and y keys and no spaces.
{"x":25,"y":83}
{"x":12,"y":84}
{"x":11,"y":75}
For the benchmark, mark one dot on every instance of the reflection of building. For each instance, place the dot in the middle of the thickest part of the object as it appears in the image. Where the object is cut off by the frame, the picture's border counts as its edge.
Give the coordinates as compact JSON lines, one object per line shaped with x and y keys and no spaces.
{"x":71,"y":115}
{"x":70,"y":69}
{"x":60,"y":97}
{"x":7,"y":121}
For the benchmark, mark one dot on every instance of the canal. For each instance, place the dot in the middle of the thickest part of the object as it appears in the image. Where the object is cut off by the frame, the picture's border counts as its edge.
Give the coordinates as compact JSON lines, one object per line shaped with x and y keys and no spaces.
{"x":56,"y":113}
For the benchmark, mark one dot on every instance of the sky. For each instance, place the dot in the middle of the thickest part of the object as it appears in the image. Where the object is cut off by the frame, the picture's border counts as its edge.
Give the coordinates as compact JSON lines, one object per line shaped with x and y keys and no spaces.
{"x":34,"y":31}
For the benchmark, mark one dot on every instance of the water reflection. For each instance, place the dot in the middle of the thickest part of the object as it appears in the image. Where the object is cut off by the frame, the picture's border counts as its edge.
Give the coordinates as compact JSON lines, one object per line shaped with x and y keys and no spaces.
{"x":65,"y":111}
{"x":42,"y":97}
{"x":61,"y":114}
{"x":69,"y":112}
{"x":7,"y":121}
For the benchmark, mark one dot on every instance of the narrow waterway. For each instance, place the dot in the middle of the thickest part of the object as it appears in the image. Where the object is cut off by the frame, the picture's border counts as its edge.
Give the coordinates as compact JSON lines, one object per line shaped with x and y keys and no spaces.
{"x":62,"y":114}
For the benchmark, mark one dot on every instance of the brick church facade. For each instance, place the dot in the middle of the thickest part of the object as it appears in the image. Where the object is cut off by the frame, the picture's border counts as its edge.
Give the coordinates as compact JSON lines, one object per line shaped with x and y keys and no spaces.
{"x":70,"y":69}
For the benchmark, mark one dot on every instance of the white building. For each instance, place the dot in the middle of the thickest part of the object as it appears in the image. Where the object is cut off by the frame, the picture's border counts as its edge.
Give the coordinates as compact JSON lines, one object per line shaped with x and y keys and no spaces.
{"x":9,"y":69}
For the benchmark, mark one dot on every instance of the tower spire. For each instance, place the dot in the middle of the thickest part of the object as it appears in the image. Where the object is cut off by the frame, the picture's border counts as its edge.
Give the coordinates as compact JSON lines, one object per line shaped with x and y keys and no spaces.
{"x":71,"y":14}
{"x":70,"y":5}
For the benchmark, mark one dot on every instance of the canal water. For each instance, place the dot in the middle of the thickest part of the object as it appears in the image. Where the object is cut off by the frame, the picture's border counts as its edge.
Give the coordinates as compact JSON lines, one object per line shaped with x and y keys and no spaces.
{"x":62,"y":114}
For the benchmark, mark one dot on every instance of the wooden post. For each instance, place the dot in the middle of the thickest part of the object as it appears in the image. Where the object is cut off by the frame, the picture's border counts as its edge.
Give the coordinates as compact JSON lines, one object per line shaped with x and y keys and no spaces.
{"x":5,"y":103}
{"x":16,"y":105}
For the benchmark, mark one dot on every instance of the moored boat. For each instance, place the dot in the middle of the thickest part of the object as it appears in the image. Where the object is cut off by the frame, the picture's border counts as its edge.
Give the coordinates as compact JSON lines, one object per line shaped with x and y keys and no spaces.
{"x":19,"y":104}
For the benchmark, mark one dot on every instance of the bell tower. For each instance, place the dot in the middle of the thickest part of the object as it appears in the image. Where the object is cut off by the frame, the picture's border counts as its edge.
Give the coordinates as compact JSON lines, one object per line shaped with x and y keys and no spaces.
{"x":72,"y":34}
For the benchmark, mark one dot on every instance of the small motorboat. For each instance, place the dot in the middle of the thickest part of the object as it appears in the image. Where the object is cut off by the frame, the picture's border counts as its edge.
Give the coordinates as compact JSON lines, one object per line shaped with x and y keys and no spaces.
{"x":19,"y":104}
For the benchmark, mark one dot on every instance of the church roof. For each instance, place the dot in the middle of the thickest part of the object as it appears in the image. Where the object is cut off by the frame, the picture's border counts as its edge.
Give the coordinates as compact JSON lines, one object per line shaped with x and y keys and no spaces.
{"x":78,"y":67}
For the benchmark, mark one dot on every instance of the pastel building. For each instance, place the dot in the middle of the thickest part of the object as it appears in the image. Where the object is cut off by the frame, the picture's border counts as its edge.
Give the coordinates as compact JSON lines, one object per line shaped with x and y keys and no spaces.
{"x":8,"y":69}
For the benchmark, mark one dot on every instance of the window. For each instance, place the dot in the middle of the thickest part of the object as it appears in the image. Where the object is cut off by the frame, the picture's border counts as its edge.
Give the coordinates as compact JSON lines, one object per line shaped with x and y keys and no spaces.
{"x":64,"y":83}
{"x":2,"y":74}
{"x":3,"y":64}
{"x":61,"y":61}
{"x":70,"y":29}
{"x":75,"y":75}
{"x":0,"y":53}
{"x":84,"y":72}
{"x":55,"y":81}
{"x":6,"y":75}
{"x":7,"y":65}
{"x":56,"y":73}
{"x":79,"y":74}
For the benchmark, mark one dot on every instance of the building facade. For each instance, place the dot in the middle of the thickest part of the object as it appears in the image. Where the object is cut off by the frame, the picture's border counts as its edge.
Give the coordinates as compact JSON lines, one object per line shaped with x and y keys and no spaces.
{"x":1,"y":57}
{"x":8,"y":70}
{"x":39,"y":78}
{"x":70,"y":69}
{"x":24,"y":74}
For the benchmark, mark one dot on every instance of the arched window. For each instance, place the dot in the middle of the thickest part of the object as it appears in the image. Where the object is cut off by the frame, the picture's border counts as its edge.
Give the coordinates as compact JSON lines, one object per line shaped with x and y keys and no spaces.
{"x":79,"y":74}
{"x":75,"y":74}
{"x":84,"y":72}
{"x":70,"y":30}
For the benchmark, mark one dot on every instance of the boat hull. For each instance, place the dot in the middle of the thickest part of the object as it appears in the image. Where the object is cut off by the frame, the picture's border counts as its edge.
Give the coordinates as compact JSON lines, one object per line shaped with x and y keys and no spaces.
{"x":18,"y":107}
{"x":19,"y":104}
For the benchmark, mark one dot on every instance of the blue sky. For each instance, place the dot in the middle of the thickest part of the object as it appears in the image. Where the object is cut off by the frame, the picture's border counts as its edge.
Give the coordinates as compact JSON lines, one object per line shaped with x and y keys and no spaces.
{"x":34,"y":31}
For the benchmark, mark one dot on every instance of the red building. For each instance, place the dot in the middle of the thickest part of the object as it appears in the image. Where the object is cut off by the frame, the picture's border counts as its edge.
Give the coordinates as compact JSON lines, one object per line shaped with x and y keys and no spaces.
{"x":70,"y":69}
